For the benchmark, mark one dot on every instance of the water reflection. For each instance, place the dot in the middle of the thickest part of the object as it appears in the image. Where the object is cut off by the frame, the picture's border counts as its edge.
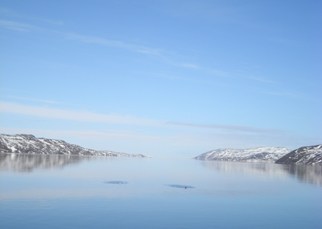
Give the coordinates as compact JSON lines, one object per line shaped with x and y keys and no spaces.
{"x":307,"y":174}
{"x":27,"y":163}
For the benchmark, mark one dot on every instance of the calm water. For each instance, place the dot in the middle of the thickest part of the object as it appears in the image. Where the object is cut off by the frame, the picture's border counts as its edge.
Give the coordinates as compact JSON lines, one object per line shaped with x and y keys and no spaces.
{"x":74,"y":192}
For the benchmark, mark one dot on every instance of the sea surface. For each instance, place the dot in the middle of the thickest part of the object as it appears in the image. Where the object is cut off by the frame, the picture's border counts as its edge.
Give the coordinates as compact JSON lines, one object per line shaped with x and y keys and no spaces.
{"x":77,"y":192}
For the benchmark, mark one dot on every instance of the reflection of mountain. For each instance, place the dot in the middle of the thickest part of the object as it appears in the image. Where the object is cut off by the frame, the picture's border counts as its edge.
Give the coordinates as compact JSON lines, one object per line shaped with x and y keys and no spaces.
{"x":29,"y":144}
{"x":308,"y":174}
{"x":26,"y":162}
{"x":260,"y":168}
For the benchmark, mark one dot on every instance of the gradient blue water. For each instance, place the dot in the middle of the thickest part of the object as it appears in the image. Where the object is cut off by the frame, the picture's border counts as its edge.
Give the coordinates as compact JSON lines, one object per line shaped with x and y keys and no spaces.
{"x":150,"y":193}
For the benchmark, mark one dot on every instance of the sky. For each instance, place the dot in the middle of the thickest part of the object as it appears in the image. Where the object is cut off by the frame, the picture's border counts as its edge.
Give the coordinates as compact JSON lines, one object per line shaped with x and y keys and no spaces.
{"x":162,"y":78}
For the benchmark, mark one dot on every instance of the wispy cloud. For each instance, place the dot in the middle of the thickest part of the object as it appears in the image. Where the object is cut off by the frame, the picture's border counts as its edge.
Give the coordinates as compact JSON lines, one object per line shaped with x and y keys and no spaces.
{"x":284,"y":94}
{"x":164,"y":56}
{"x":260,"y":79}
{"x":113,"y":43}
{"x":86,"y":116}
{"x":188,"y":65}
{"x":248,"y":76}
{"x":85,"y":134}
{"x":9,"y":13}
{"x":97,"y":40}
{"x":45,"y":101}
{"x":65,"y":114}
{"x":16,"y":26}
{"x":231,"y":128}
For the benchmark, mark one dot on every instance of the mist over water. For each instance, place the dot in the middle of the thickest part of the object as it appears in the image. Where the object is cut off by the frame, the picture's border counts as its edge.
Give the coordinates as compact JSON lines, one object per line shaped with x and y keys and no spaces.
{"x":57,"y":191}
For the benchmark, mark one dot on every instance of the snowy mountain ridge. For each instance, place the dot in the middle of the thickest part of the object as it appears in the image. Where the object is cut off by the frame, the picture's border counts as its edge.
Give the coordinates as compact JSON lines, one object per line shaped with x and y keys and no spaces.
{"x":248,"y":155}
{"x":29,"y":144}
{"x":308,"y":155}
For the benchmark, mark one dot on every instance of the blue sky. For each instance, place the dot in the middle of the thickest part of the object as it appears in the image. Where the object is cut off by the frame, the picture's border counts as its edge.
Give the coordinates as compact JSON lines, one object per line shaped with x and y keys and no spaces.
{"x":164,"y":78}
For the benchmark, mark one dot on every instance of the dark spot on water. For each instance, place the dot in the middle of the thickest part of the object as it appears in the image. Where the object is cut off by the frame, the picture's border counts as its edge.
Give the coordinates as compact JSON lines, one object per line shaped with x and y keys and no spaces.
{"x":180,"y":186}
{"x":115,"y":182}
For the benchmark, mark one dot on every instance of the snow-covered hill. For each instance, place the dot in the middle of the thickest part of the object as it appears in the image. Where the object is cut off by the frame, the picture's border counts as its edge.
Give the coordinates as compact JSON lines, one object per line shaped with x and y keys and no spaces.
{"x":252,"y":154}
{"x":29,"y":144}
{"x":308,"y":155}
